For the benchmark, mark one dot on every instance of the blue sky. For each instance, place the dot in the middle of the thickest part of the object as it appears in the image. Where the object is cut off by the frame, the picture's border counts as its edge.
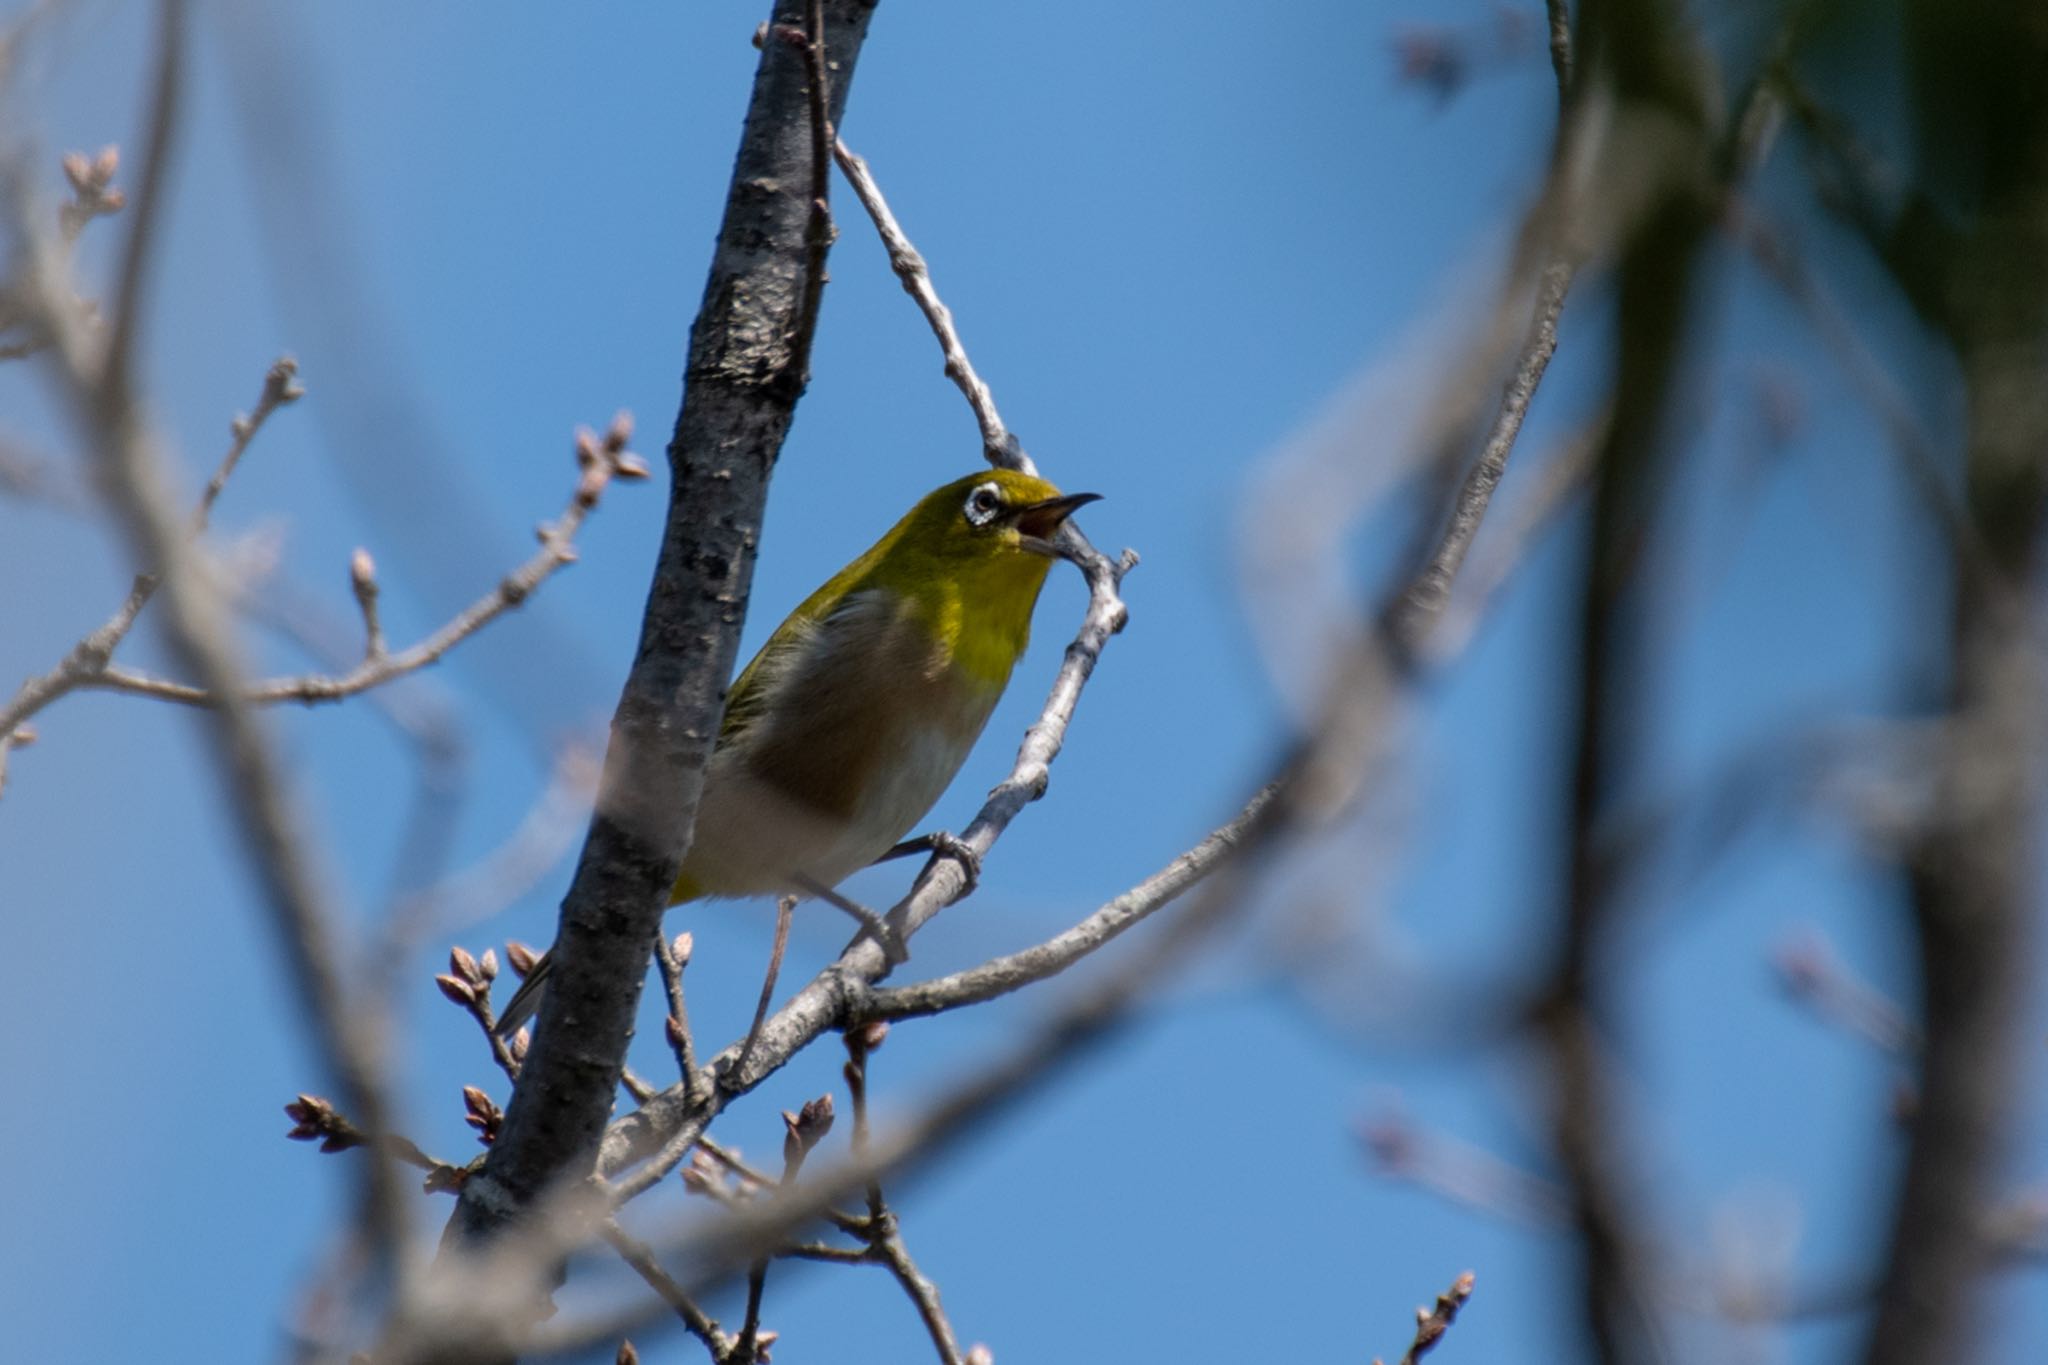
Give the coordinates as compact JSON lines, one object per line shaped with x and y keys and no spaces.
{"x":1172,"y":239}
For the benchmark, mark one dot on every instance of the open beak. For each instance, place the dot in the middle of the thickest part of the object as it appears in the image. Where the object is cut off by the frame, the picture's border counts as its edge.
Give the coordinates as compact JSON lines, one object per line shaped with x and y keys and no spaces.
{"x":1038,"y":523}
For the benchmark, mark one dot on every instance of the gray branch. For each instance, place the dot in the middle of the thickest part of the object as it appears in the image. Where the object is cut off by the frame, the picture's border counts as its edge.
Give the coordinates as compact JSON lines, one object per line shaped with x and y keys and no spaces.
{"x":746,"y":369}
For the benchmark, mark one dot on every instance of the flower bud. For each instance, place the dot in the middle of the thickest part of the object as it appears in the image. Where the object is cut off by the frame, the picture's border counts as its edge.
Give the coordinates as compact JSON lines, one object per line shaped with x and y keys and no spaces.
{"x":456,"y":990}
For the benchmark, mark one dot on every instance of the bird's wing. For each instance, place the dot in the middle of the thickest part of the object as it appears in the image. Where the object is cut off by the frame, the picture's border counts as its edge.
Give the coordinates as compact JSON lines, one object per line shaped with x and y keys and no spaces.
{"x":753,"y":691}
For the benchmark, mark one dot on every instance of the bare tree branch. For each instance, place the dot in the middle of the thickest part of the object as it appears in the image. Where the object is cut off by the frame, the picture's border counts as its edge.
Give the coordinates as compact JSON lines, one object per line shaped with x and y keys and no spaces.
{"x":90,"y":659}
{"x":745,"y":373}
{"x":1014,"y":971}
{"x":1432,"y":1323}
{"x":640,"y":1256}
{"x":1423,"y":602}
{"x":999,"y":447}
{"x":1973,"y":874}
{"x":602,"y":460}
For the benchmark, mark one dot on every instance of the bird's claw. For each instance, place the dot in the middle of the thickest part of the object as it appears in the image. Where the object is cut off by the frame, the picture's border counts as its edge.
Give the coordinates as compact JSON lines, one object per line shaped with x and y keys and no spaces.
{"x":945,"y":845}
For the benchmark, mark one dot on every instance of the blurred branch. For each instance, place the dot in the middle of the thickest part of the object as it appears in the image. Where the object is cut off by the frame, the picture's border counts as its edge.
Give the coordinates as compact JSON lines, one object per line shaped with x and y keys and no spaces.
{"x":33,"y":477}
{"x":1557,"y":15}
{"x":1460,"y":1172}
{"x":1641,"y":57}
{"x":1898,"y":223}
{"x":1972,"y":874}
{"x":1815,"y":978}
{"x":508,"y":871}
{"x":1920,"y":458}
{"x":93,"y":376}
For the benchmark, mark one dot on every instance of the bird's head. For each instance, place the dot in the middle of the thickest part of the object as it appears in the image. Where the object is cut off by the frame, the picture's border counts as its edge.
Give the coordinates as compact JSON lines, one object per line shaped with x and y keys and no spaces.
{"x":991,"y":517}
{"x":971,"y":558}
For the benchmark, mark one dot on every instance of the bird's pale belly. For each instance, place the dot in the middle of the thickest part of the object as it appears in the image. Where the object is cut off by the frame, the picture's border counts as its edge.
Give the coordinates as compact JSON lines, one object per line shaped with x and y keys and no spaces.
{"x":754,"y":838}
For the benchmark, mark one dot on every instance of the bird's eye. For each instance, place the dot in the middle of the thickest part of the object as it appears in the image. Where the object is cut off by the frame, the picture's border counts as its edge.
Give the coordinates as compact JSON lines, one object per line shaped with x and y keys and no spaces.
{"x":983,"y":504}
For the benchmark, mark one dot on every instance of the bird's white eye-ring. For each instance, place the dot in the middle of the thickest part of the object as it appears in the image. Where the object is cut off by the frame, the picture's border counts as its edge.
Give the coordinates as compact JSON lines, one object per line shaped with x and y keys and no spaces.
{"x":983,"y":504}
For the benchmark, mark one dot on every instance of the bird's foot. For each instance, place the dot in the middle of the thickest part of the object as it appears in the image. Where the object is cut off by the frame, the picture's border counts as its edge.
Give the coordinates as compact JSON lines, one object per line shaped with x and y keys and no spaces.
{"x":940,"y":844}
{"x":945,"y":845}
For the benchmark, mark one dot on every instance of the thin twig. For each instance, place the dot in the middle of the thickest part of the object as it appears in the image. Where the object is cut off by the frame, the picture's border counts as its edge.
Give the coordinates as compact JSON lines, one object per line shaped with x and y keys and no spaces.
{"x":1506,"y":548}
{"x":1013,"y":971}
{"x":872,"y":925}
{"x":785,"y":908}
{"x":557,"y":549}
{"x":805,"y":1130}
{"x":90,"y":658}
{"x":998,"y":445}
{"x":34,"y":477}
{"x":1432,"y":1323}
{"x":467,"y":985}
{"x":1421,"y":605}
{"x":884,"y":1233}
{"x":1920,"y":457}
{"x":673,"y":958}
{"x":280,"y":386}
{"x":317,"y":1119}
{"x":640,"y":1257}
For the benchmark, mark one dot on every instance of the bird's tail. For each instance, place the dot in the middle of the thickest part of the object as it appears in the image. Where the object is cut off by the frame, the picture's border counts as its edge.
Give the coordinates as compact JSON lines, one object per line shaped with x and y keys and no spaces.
{"x":525,"y":1001}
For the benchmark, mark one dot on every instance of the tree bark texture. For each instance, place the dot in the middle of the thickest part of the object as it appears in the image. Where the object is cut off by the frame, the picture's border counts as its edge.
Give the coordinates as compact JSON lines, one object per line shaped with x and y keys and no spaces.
{"x":747,"y":366}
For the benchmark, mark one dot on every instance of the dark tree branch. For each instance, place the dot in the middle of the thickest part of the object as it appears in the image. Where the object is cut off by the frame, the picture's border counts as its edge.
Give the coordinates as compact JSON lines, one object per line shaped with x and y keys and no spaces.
{"x":745,"y":372}
{"x":1557,"y":16}
{"x":1982,"y":129}
{"x":1638,"y":56}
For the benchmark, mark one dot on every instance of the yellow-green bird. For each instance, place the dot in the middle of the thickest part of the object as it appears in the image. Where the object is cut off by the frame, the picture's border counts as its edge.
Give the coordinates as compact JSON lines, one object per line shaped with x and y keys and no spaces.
{"x":855,"y":716}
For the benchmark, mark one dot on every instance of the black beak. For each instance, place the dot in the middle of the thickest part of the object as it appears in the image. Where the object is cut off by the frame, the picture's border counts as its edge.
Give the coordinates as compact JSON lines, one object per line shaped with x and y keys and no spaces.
{"x":1039,"y":521}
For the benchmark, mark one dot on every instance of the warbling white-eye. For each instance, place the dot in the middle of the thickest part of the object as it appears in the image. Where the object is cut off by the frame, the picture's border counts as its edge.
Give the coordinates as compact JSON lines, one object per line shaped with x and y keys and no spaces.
{"x":857,"y":713}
